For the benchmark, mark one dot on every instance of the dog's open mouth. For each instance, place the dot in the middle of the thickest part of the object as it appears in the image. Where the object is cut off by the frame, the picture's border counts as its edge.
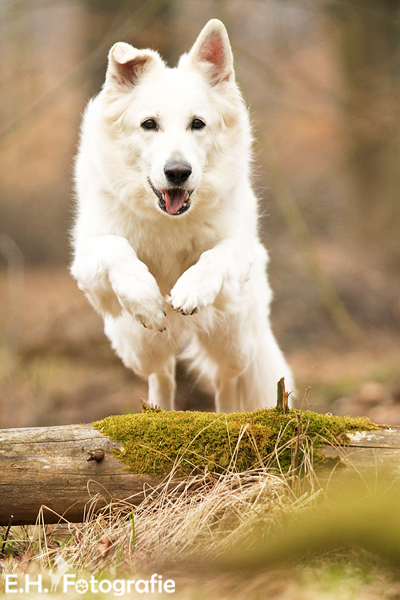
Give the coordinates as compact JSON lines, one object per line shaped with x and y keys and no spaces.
{"x":174,"y":201}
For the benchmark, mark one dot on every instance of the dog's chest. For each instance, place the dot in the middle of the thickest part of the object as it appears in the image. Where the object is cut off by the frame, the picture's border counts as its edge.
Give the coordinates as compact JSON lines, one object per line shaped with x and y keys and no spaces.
{"x":169,"y":254}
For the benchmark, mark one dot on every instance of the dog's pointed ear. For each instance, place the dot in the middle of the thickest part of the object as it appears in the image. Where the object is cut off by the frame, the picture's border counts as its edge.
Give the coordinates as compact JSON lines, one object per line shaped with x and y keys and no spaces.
{"x":126,"y":64}
{"x":212,"y":53}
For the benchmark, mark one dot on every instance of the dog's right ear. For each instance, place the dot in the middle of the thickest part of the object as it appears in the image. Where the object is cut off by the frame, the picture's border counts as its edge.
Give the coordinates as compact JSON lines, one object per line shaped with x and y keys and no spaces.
{"x":126,"y":65}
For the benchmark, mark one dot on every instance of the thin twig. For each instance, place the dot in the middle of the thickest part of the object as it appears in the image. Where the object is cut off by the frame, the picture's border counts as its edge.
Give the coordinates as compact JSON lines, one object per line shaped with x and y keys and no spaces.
{"x":6,"y":534}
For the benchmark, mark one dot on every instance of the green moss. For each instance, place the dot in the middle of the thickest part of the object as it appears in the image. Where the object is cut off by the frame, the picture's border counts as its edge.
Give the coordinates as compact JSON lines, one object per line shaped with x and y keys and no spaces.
{"x":154,"y":441}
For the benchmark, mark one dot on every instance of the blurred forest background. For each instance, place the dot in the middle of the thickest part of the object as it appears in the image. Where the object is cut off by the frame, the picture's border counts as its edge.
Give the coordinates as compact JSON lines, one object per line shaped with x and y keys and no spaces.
{"x":322,"y":82}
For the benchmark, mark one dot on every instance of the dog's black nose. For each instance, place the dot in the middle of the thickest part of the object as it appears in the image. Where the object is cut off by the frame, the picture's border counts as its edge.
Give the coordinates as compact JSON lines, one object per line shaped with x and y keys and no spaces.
{"x":177,"y":172}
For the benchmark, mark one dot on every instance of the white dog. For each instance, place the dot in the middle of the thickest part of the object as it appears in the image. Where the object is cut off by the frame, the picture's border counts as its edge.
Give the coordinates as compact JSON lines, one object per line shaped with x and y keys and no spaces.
{"x":166,"y":241}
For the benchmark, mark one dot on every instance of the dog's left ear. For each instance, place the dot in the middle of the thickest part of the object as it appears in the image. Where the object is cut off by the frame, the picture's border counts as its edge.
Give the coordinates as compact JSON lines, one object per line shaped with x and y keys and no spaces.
{"x":212,"y":53}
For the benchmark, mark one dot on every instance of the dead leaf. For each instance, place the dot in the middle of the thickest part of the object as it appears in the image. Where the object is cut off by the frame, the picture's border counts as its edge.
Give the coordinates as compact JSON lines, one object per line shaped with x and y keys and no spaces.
{"x":25,"y":560}
{"x":104,"y":545}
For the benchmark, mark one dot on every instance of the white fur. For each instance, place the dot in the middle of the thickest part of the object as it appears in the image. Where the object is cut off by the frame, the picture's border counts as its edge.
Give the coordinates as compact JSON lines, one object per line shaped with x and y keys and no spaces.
{"x":141,"y":266}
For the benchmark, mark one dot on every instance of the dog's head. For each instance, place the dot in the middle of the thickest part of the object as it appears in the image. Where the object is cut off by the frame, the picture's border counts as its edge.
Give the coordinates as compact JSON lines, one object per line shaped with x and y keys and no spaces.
{"x":178,"y":135}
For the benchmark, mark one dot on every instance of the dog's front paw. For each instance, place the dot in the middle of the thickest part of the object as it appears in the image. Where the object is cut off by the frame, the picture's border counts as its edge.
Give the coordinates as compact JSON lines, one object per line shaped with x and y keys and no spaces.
{"x":197,"y":288}
{"x":147,"y":307}
{"x":139,"y":294}
{"x":154,"y":322}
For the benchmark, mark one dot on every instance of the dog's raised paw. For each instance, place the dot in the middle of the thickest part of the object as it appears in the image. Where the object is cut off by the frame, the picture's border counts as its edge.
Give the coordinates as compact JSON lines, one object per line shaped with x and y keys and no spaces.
{"x":150,"y":320}
{"x":180,"y":309}
{"x":184,"y":312}
{"x":195,"y":289}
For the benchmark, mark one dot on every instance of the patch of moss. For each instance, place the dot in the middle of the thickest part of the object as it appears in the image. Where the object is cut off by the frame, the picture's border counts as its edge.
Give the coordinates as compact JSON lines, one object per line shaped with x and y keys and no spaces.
{"x":154,"y":441}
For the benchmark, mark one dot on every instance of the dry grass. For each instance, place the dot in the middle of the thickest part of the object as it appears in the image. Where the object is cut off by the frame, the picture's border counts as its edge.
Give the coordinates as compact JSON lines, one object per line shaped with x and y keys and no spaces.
{"x":204,"y":516}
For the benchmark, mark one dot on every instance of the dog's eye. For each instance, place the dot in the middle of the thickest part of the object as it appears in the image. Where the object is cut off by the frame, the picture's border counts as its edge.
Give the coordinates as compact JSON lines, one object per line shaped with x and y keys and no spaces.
{"x":197,"y":124}
{"x":149,"y":124}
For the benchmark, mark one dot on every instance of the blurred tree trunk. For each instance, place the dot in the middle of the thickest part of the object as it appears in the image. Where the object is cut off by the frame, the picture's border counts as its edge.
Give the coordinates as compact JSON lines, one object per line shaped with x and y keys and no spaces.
{"x":369,"y":36}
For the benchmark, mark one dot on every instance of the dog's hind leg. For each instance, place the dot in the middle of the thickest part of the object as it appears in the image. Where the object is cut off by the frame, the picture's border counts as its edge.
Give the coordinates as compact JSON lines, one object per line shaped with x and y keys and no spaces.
{"x":246,"y":382}
{"x":149,"y":354}
{"x":226,"y":394}
{"x":244,"y":362}
{"x":220,"y":360}
{"x":162,"y":386}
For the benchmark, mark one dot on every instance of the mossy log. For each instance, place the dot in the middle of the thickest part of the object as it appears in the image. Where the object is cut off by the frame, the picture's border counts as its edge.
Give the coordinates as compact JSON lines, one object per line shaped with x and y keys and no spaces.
{"x":126,"y":457}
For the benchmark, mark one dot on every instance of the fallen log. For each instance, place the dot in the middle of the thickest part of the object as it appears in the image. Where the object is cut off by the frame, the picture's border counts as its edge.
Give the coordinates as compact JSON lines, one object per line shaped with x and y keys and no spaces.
{"x":370,"y":451}
{"x":56,"y":467}
{"x":125,"y":457}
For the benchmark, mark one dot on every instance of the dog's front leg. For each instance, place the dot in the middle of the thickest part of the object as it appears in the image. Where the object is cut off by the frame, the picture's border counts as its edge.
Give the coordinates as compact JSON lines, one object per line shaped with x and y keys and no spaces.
{"x":227,"y":264}
{"x":114,"y":279}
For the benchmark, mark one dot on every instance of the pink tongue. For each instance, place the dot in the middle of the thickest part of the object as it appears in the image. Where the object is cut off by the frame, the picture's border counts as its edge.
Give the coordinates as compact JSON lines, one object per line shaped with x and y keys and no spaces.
{"x":174,"y":199}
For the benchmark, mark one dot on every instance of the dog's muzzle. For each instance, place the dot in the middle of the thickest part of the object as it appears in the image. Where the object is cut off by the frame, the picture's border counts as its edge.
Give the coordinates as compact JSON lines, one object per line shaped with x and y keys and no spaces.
{"x":173,"y":201}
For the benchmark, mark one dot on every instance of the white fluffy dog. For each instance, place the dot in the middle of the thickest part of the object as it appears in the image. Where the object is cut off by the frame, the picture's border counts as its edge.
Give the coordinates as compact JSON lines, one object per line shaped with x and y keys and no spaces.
{"x":166,"y":241}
